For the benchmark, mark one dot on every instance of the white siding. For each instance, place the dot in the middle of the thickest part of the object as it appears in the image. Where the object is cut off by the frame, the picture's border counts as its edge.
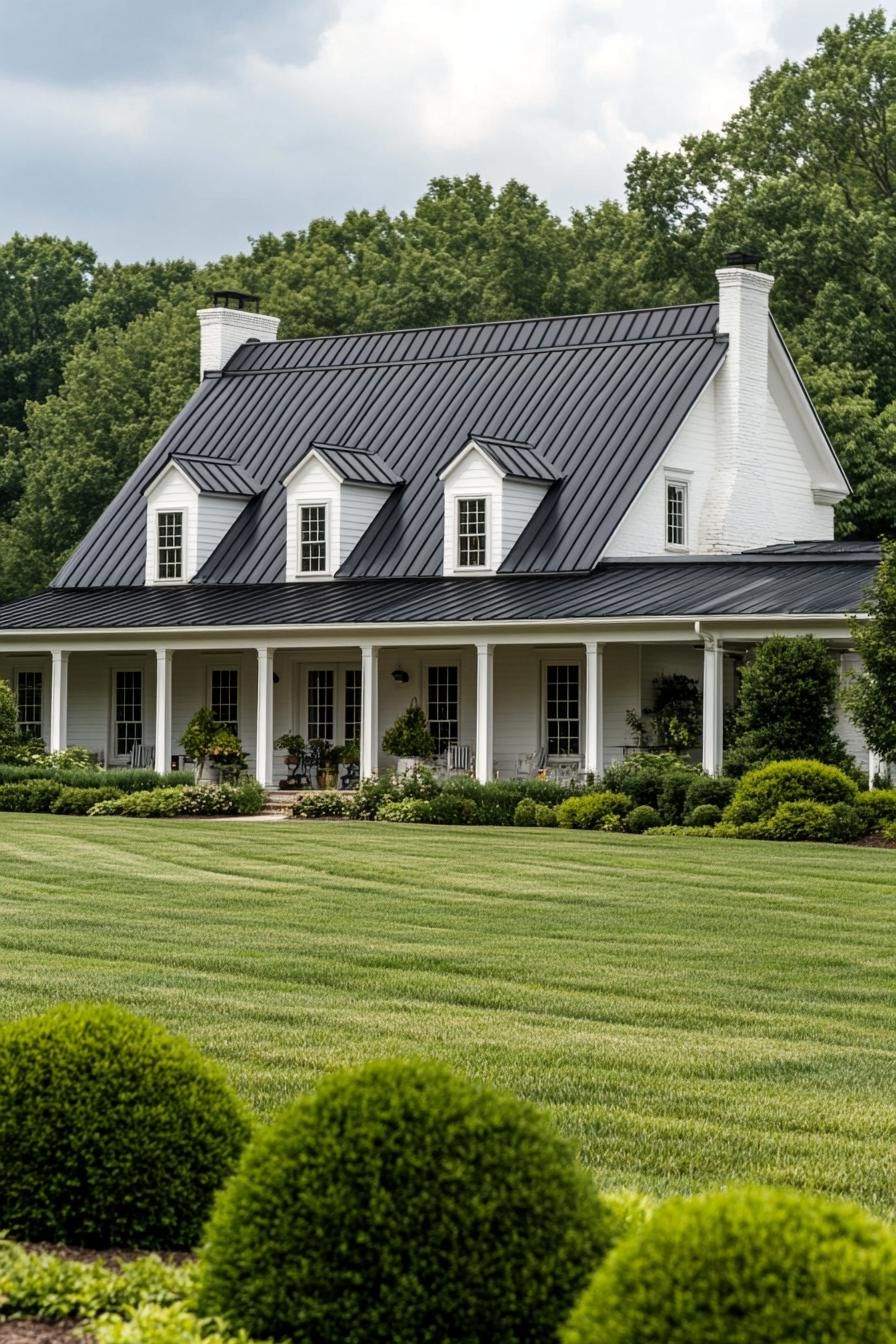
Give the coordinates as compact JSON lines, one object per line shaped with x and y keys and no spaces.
{"x":622,"y":692}
{"x":852,"y":736}
{"x":216,"y":516}
{"x":313,"y":483}
{"x":172,"y":492}
{"x":359,"y":506}
{"x":475,"y":478}
{"x":519,"y":501}
{"x":796,"y":515}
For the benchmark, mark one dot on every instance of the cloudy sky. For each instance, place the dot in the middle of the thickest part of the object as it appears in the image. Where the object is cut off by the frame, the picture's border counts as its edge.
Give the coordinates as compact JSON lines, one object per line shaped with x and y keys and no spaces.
{"x":181,"y":127}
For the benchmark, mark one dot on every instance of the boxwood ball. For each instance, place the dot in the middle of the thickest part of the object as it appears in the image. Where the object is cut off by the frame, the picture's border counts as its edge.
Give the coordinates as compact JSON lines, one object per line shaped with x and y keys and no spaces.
{"x":745,"y":1266}
{"x":401,"y":1204}
{"x":113,"y":1133}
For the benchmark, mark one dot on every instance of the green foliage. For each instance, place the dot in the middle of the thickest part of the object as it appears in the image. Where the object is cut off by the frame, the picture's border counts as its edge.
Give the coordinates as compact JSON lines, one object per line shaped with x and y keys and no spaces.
{"x":186,"y":800}
{"x":292,"y":743}
{"x":870,"y":696}
{"x":29,"y":795}
{"x":78,"y":802}
{"x":677,"y":785}
{"x":761,"y":792}
{"x":446,"y":809}
{"x":816,"y":821}
{"x":643,"y":775}
{"x":401,"y":1204}
{"x":743,"y":1265}
{"x":225,"y":751}
{"x":524,"y":812}
{"x":675,"y":716}
{"x":877,"y":806}
{"x":50,"y":1288}
{"x":143,"y":803}
{"x":495,"y":802}
{"x":642,"y":818}
{"x":787,"y":708}
{"x":715,"y":789}
{"x":409,"y":735}
{"x":590,"y":811}
{"x":322,"y":803}
{"x":705,"y":814}
{"x":198,"y":736}
{"x":151,"y":1323}
{"x":9,"y":715}
{"x":113,"y":1132}
{"x":545,"y":815}
{"x":128,"y":781}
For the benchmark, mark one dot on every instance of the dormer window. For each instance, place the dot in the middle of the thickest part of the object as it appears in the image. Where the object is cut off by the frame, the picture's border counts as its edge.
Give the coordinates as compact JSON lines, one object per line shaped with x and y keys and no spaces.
{"x":472,"y":533}
{"x":313,"y":534}
{"x":676,"y":515}
{"x":170,"y":548}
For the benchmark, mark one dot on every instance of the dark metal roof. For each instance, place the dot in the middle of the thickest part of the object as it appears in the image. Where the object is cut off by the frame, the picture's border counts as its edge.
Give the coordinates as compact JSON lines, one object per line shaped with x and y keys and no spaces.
{"x":517,"y":460}
{"x":601,"y":396}
{"x":693,"y":587}
{"x":215,"y":475}
{"x":357,"y":466}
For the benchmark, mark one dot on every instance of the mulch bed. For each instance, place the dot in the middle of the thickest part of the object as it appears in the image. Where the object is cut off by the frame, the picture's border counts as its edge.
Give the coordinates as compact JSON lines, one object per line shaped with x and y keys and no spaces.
{"x":875,"y":842}
{"x":39,"y":1332}
{"x":85,"y":1256}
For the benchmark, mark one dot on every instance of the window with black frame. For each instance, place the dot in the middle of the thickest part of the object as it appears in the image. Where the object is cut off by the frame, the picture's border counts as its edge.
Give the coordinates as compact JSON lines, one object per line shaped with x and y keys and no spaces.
{"x":225,"y":697}
{"x":442,"y":705}
{"x":562,"y":709}
{"x":471,"y":534}
{"x":353,"y":704}
{"x":29,"y":698}
{"x":128,"y":710}
{"x":170,"y":545}
{"x":321,"y":703}
{"x":313,"y":538}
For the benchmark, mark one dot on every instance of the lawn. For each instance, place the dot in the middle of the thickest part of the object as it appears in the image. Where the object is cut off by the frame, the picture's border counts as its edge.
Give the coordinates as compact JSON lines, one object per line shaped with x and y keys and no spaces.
{"x":691,"y":1011}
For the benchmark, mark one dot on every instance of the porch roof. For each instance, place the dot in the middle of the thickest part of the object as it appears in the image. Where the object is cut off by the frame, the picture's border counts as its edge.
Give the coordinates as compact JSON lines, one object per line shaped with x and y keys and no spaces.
{"x":769,"y":583}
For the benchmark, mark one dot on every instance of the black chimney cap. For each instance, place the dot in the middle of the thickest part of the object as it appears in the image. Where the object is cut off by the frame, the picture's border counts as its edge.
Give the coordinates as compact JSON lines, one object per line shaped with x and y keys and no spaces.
{"x":221,"y":298}
{"x":747,"y":261}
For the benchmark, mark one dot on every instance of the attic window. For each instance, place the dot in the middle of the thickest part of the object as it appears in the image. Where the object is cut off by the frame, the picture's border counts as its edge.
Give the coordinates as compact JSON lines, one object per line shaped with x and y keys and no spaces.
{"x":170,"y":545}
{"x":676,"y":515}
{"x":313,"y":535}
{"x":471,"y":533}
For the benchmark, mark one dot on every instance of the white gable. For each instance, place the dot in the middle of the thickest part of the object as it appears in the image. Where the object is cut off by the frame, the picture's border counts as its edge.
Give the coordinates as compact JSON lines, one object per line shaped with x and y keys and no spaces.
{"x":351,"y":508}
{"x":510,"y":504}
{"x":206,"y":520}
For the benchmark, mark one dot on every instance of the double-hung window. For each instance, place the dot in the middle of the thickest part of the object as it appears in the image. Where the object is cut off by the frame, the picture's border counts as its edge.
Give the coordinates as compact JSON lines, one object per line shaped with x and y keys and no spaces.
{"x":312,"y":538}
{"x":353,"y":704}
{"x":472,"y":534}
{"x":321,"y":703}
{"x":225,"y":697}
{"x":677,"y":514}
{"x":170,"y":544}
{"x":29,"y":698}
{"x":562,"y":709}
{"x":442,"y":705}
{"x":128,"y":710}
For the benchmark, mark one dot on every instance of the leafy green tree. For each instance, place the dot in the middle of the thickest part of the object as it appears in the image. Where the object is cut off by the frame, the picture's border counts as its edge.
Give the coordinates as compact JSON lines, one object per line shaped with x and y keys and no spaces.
{"x":870,"y":697}
{"x":9,"y":715}
{"x":787,"y":708}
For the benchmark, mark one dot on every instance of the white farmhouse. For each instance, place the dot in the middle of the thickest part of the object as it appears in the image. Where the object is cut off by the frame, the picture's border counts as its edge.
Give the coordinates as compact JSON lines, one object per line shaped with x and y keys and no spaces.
{"x":521,"y":524}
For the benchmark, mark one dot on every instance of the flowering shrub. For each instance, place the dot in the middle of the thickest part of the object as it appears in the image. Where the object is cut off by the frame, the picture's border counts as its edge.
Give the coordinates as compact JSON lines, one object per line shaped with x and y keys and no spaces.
{"x":591,"y":811}
{"x":186,"y":800}
{"x":205,"y":800}
{"x":324,"y":803}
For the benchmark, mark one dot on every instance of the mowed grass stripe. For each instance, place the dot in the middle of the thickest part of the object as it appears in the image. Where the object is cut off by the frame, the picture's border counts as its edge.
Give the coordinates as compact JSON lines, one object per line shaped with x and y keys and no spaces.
{"x":693,"y":1012}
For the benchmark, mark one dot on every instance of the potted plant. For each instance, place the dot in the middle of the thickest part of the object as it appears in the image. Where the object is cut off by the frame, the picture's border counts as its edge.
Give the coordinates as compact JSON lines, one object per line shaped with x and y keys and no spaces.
{"x":198,"y":737}
{"x":409,"y":739}
{"x":225,"y":751}
{"x":293,"y":744}
{"x":325,"y":757}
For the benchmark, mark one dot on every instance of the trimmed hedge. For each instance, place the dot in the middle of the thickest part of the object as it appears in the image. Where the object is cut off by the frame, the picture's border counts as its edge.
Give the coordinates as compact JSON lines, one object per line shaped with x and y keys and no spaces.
{"x":401,"y":1204}
{"x":816,"y":821}
{"x":29,"y":795}
{"x":877,"y":807}
{"x":594,"y":811}
{"x":704,"y":789}
{"x":761,"y":792}
{"x":78,"y":802}
{"x":641,"y":819}
{"x":128,"y":781}
{"x":643,"y":776}
{"x":706,"y":814}
{"x":113,"y":1132}
{"x":742,"y":1266}
{"x":495,"y":802}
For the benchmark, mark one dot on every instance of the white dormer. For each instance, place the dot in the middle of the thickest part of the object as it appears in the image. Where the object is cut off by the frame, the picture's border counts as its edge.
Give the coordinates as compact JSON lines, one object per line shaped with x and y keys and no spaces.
{"x":492,"y":489}
{"x":191,"y":504}
{"x":332,"y":497}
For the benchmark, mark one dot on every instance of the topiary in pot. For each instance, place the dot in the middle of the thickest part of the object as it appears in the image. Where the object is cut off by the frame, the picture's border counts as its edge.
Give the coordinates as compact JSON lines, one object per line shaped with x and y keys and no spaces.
{"x":401,"y":1204}
{"x":112,"y":1131}
{"x":409,"y":738}
{"x":742,"y":1266}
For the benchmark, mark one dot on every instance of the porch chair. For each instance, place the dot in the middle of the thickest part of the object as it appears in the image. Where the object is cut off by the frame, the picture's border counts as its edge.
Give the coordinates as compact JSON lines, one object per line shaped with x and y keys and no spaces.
{"x":141,"y":758}
{"x":459,"y":760}
{"x":350,"y":777}
{"x":566,"y":772}
{"x":298,"y":773}
{"x":528,"y":766}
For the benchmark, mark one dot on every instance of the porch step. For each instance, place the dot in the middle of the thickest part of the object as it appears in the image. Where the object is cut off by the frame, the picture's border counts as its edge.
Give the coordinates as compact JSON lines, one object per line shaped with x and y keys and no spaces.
{"x":279,"y":802}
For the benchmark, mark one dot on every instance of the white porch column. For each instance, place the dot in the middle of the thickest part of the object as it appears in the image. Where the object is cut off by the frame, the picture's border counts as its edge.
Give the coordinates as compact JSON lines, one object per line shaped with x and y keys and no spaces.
{"x":713,"y":686}
{"x":594,"y":707}
{"x":264,"y":729}
{"x":163,"y":710}
{"x":485,"y":678}
{"x":370,"y":663}
{"x":875,"y":766}
{"x":59,"y":699}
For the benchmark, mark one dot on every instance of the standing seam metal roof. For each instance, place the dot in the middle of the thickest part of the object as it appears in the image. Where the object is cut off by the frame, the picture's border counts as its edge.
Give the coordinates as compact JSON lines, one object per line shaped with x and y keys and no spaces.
{"x":216,"y":476}
{"x":601,"y":396}
{"x":518,"y":460}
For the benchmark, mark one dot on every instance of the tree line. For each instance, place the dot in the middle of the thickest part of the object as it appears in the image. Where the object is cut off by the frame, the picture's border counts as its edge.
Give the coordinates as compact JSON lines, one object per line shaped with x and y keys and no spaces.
{"x":96,"y":359}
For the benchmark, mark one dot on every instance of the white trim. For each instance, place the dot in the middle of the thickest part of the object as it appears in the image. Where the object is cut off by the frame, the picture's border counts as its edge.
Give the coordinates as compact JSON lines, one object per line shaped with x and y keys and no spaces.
{"x":680,"y":480}
{"x":555,"y":658}
{"x":327,"y":571}
{"x":312,"y":456}
{"x":487,"y":568}
{"x":453,"y":658}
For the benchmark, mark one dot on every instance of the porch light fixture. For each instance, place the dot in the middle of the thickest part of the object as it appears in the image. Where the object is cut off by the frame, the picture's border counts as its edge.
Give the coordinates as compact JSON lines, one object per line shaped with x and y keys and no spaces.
{"x":400,"y":675}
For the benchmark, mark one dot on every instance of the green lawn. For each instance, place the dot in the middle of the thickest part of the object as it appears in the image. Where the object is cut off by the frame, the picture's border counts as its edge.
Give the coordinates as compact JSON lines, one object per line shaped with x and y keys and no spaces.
{"x":691,"y":1011}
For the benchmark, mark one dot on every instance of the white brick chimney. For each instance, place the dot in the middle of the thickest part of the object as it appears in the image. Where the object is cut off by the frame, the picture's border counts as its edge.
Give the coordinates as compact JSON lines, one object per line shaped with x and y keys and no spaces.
{"x":222,"y":329}
{"x":738,"y":506}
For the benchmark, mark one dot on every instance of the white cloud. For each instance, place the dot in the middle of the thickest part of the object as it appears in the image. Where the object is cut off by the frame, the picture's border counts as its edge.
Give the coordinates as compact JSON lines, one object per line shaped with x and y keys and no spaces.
{"x":363,"y":104}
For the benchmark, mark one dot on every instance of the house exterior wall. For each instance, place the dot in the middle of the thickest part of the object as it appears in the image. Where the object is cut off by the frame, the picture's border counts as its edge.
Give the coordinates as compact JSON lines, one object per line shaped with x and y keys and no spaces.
{"x":510,"y":506}
{"x":172,"y":492}
{"x":311,"y":484}
{"x":359,"y":506}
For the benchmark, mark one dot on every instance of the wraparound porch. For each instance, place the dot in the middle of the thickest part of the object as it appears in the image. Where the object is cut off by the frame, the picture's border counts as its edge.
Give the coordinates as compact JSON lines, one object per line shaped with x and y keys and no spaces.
{"x":504,"y":698}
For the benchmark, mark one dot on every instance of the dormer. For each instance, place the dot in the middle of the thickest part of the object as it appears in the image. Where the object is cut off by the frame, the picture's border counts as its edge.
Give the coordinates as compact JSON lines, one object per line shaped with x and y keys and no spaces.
{"x":191,"y":504}
{"x":491,"y":489}
{"x":332,"y":497}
